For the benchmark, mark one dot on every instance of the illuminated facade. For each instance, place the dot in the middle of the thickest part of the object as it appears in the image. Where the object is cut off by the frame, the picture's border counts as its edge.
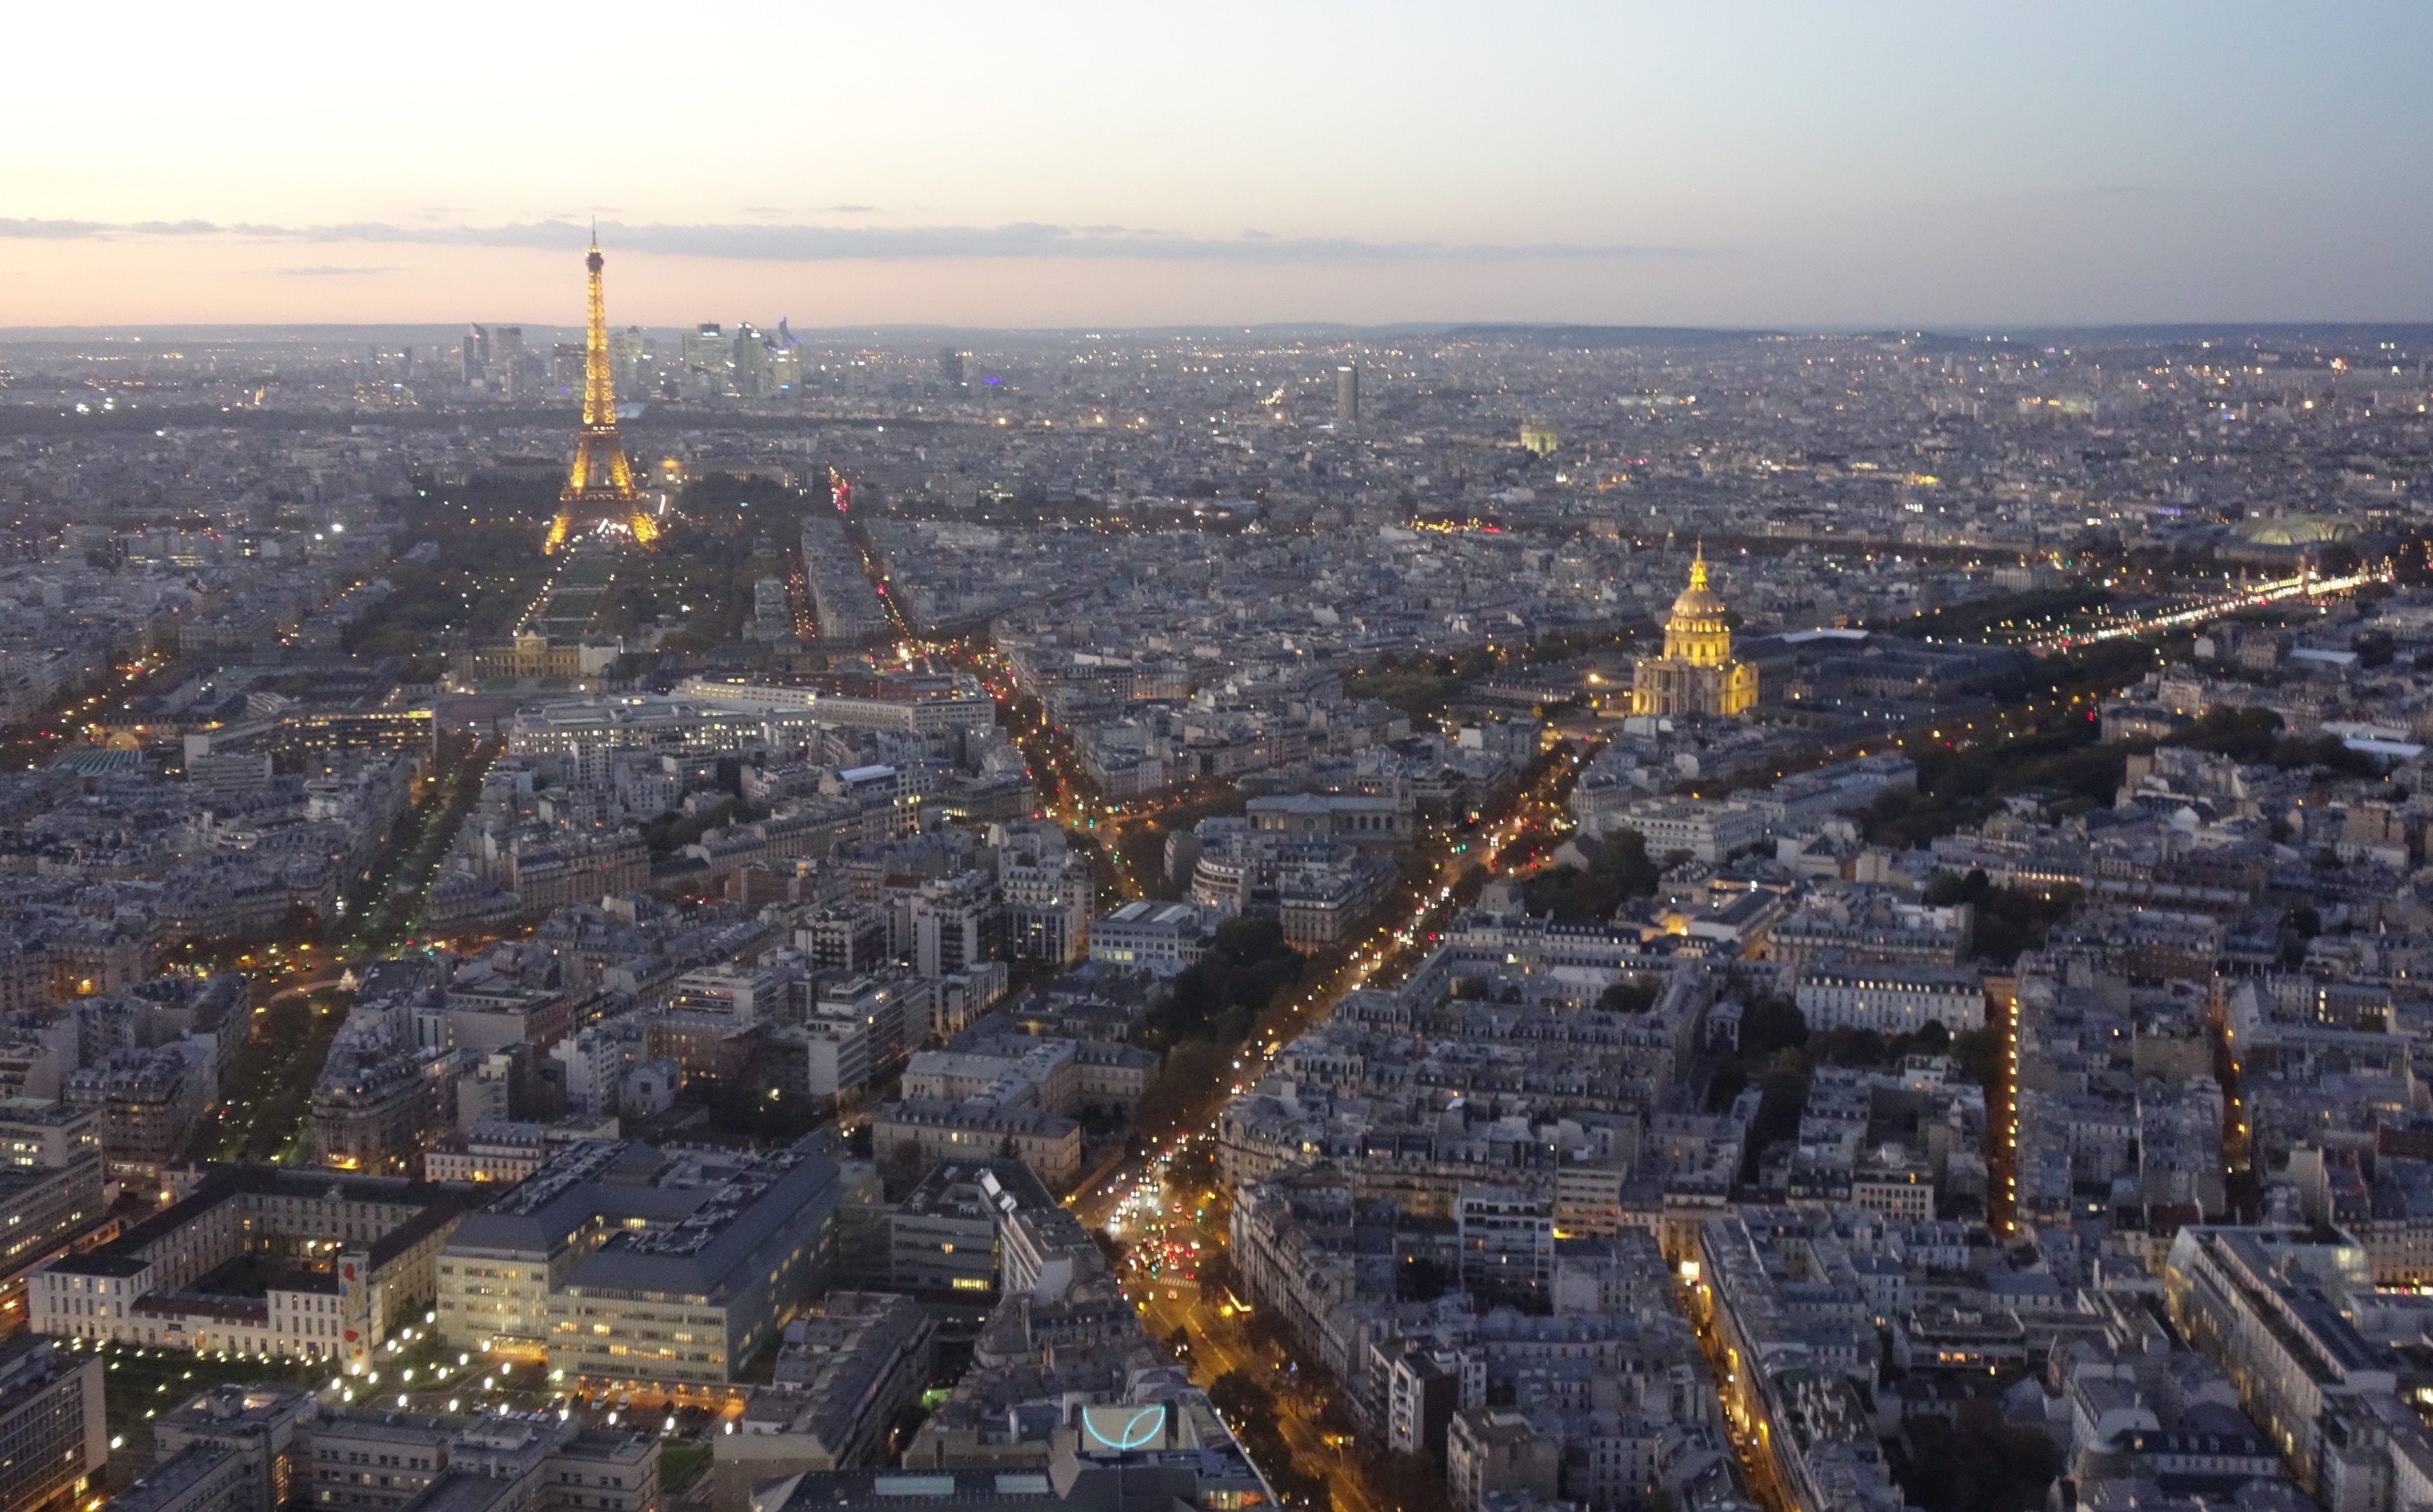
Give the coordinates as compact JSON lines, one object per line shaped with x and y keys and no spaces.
{"x":601,"y":482}
{"x":1697,"y":674}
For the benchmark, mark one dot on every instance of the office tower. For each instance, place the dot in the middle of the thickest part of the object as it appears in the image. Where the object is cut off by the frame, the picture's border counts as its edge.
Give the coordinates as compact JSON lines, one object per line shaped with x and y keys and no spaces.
{"x":477,"y":353}
{"x":1347,"y":395}
{"x":601,"y":482}
{"x":704,"y":357}
{"x":627,"y":349}
{"x":950,"y":366}
{"x":785,"y":360}
{"x":751,"y":360}
{"x":507,"y":354}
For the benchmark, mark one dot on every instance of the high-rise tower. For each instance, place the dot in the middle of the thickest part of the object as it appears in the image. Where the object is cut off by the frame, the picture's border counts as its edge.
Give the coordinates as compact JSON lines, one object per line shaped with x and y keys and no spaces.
{"x":601,"y":482}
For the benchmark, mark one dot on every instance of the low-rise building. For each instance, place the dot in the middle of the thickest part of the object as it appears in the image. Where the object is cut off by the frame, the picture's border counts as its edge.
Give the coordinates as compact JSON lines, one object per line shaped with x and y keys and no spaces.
{"x":1490,"y":1454}
{"x":1706,"y":829}
{"x":258,"y":1449}
{"x":846,"y":1370}
{"x":2264,"y":1304}
{"x":1890,"y":999}
{"x":621,"y":1265}
{"x":1161,"y":938}
{"x":505,"y":1153}
{"x":1049,"y":1144}
{"x":258,"y":1259}
{"x":944,"y":1235}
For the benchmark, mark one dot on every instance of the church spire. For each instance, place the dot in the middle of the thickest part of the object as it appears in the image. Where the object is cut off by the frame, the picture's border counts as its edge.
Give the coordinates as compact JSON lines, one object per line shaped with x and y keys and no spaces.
{"x":1698,"y":566}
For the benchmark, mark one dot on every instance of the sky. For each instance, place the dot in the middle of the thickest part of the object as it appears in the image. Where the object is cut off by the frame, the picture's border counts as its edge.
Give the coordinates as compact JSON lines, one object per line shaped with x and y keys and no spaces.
{"x":1046,"y":165}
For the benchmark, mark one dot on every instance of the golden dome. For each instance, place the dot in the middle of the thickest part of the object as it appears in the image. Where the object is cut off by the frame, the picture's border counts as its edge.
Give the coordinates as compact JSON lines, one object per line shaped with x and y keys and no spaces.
{"x":1697,"y":602}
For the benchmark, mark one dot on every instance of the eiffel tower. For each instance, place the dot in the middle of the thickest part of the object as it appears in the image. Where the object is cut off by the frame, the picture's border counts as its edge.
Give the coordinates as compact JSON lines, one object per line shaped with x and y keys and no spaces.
{"x":599,"y":486}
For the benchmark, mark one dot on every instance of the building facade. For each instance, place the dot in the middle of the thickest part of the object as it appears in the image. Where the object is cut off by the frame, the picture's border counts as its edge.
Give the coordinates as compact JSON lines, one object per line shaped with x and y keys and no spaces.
{"x":53,"y":1442}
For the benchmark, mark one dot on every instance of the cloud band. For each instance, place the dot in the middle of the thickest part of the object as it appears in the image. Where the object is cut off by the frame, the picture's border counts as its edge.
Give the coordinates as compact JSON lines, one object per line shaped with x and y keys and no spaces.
{"x":820,"y":244}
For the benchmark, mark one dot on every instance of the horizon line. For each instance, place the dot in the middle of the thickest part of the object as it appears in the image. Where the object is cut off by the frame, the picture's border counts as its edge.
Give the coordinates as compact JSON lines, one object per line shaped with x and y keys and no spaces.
{"x":1087,"y":330}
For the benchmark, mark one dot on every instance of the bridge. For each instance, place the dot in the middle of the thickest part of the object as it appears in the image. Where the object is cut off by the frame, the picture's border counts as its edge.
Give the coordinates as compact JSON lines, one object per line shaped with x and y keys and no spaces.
{"x":2254,"y":595}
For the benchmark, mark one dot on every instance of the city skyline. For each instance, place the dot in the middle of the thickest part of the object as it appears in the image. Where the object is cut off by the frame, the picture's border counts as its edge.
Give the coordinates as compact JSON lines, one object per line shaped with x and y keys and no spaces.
{"x":1543,"y":759}
{"x":1772,"y":167}
{"x":1297,"y":881}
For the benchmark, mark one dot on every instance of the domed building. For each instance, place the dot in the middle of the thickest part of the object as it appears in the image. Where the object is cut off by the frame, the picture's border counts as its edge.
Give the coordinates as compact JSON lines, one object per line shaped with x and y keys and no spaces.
{"x":1697,"y":674}
{"x":2297,"y":531}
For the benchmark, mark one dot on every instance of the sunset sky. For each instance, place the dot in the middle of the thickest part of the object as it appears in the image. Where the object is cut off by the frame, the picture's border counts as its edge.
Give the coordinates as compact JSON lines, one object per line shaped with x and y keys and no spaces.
{"x":1146,"y":163}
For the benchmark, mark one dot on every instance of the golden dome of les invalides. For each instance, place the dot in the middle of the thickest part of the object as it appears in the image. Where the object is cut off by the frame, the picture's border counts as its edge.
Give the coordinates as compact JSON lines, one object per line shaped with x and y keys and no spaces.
{"x":1696,"y":674}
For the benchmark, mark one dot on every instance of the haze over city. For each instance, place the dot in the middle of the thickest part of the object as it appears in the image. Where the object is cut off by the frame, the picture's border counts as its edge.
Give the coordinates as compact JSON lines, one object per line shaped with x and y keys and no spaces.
{"x":1764,"y":165}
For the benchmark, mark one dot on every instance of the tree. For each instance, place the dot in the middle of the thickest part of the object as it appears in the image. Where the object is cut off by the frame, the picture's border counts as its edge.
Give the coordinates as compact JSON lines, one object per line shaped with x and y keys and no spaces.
{"x":1190,"y":1075}
{"x":1784,"y":1089}
{"x":1631,"y":994}
{"x":2245,"y":734}
{"x":901,"y":1165}
{"x":1981,"y":1465}
{"x":1618,"y":870}
{"x":1215,"y":1275}
{"x":1979,"y":1054}
{"x":2008,"y":920}
{"x":1422,"y":1279}
{"x":1412,"y":1483}
{"x":1772,"y":1023}
{"x":1223,"y":993}
{"x":1240,"y":1397}
{"x":1193,"y":1170}
{"x":1726,"y":1085}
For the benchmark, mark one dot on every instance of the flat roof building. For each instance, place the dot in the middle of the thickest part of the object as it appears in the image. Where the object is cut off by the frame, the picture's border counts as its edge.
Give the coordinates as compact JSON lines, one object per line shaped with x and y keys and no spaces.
{"x":622,"y":1264}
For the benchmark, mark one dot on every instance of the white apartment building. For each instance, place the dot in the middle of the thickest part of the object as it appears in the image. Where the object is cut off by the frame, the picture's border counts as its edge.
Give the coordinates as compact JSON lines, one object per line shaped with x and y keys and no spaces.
{"x":1890,"y":999}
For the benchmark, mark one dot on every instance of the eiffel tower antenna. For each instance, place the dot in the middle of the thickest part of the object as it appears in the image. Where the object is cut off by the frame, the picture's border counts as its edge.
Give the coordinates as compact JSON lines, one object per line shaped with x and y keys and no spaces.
{"x":599,"y":485}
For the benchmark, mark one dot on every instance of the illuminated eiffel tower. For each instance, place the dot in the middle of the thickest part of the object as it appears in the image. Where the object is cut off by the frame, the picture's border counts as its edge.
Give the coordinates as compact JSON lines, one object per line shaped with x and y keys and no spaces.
{"x":599,"y":486}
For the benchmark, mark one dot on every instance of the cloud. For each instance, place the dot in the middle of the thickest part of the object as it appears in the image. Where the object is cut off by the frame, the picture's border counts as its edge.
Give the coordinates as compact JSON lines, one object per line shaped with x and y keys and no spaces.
{"x":848,"y":210}
{"x":822,"y":243}
{"x":330,"y":270}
